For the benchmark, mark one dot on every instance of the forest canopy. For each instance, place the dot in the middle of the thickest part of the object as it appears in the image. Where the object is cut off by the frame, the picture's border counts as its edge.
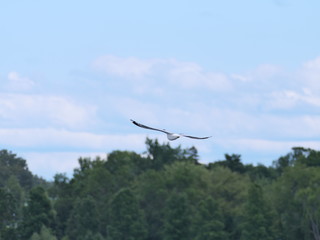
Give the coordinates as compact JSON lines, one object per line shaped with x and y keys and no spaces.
{"x":163,"y":194}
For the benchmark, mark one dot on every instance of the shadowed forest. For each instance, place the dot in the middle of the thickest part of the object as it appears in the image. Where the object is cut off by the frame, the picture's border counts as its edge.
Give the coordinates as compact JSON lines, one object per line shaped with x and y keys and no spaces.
{"x":163,"y":194}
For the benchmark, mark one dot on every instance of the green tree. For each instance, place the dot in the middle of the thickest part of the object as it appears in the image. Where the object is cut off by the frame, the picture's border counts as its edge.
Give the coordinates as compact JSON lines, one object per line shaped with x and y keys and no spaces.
{"x":37,"y":213}
{"x":124,"y":167}
{"x":8,"y":209}
{"x":229,"y":189}
{"x":297,"y":202}
{"x":62,"y":193}
{"x":178,"y":221}
{"x":126,"y":219}
{"x":151,"y":188}
{"x":161,"y":155}
{"x":13,"y":186}
{"x":155,"y":188}
{"x":307,"y":157}
{"x":257,"y":222}
{"x":186,"y":177}
{"x":298,"y":156}
{"x":309,"y":197}
{"x":260,"y":172}
{"x":45,"y":234}
{"x":134,"y":163}
{"x":233,"y":162}
{"x":83,"y":218}
{"x":10,"y":165}
{"x":92,"y":236}
{"x":210,"y":222}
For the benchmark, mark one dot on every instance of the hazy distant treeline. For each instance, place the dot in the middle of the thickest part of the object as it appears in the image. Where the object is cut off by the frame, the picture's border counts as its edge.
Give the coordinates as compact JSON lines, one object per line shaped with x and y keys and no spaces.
{"x":165,"y":194}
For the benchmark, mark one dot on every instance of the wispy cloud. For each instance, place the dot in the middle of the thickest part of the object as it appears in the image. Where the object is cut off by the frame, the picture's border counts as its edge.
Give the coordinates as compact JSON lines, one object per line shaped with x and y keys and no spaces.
{"x":191,"y":75}
{"x":266,"y":146}
{"x":51,"y":138}
{"x":44,"y":110}
{"x":309,"y":74}
{"x":288,"y":99}
{"x":179,"y":74}
{"x":19,"y":83}
{"x":129,"y":67}
{"x":259,"y":74}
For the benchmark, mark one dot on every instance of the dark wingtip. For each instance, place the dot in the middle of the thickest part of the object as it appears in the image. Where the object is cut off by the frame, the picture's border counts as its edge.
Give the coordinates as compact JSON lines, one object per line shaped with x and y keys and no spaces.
{"x":134,"y":122}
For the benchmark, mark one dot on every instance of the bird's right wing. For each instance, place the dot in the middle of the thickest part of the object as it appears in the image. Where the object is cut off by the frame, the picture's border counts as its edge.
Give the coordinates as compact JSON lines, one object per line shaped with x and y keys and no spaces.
{"x":150,"y":128}
{"x":196,"y":137}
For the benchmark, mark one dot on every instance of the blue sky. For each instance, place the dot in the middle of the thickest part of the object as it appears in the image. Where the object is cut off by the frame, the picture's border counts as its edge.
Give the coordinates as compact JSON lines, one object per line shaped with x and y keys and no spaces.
{"x":74,"y":72}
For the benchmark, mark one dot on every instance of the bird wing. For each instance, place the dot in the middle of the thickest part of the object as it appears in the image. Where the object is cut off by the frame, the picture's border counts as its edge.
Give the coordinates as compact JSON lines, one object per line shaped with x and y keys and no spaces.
{"x":195,"y":137}
{"x":144,"y":126}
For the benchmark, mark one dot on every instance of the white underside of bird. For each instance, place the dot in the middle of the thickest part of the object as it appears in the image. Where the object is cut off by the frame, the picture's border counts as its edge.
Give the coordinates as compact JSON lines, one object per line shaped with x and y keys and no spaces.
{"x":170,"y":136}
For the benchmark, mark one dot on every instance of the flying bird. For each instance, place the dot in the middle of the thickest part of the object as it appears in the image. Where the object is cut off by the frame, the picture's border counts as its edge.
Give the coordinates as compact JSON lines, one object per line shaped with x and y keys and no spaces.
{"x":170,"y":136}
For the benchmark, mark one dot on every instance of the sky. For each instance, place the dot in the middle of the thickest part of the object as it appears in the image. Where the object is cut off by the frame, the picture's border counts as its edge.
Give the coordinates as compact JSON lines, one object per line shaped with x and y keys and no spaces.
{"x":73,"y":74}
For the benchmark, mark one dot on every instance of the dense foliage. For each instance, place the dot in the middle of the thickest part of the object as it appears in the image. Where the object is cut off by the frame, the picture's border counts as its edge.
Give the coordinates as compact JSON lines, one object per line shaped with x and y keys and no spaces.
{"x":163,"y":194}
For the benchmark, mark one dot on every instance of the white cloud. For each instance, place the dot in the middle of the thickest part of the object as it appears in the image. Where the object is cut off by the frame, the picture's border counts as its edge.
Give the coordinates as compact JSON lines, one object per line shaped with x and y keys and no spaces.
{"x":17,"y":82}
{"x":264,"y":145}
{"x":274,"y":88}
{"x":310,"y":74}
{"x":288,"y":99}
{"x":60,"y":139}
{"x":311,"y":98}
{"x":132,"y":108}
{"x":124,"y":67}
{"x":240,"y":77}
{"x":285,"y":99}
{"x":170,"y":71}
{"x":259,"y":74}
{"x":191,"y":75}
{"x":45,"y":110}
{"x":292,"y":127}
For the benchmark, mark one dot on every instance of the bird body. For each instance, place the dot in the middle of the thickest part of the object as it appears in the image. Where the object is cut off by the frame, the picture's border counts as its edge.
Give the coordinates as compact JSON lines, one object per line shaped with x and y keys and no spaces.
{"x":170,"y":136}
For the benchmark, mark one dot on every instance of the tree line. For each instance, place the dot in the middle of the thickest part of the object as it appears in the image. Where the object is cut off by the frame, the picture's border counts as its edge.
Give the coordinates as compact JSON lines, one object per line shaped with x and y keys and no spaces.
{"x":164,"y":193}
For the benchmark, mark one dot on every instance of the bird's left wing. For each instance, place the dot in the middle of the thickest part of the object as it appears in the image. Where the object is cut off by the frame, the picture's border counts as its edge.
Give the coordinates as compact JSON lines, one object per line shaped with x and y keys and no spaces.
{"x":144,"y":126}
